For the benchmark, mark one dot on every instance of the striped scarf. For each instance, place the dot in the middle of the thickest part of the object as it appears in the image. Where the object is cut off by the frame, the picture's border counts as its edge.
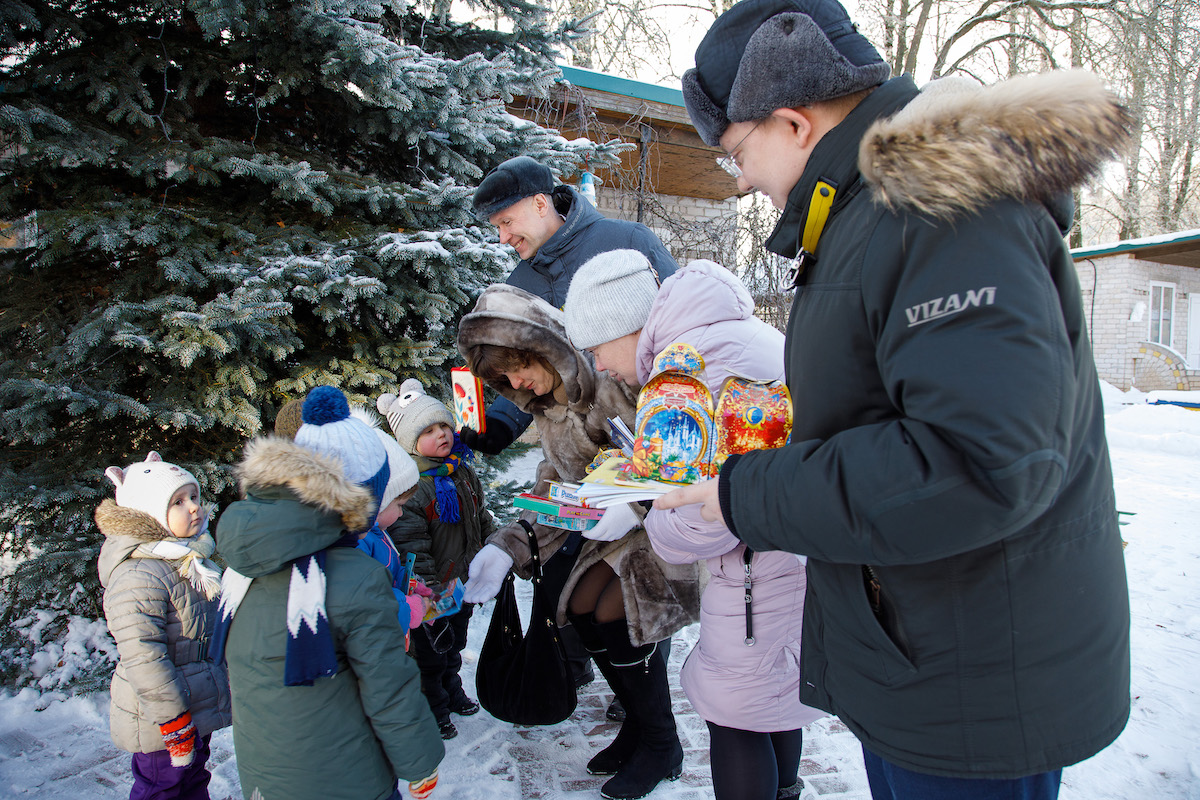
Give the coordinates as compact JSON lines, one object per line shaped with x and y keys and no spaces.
{"x":443,"y":484}
{"x":310,"y":652}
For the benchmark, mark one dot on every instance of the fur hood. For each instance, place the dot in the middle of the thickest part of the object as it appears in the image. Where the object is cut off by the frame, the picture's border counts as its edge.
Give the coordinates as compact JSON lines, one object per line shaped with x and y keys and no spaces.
{"x":958,"y":146}
{"x":510,"y":317}
{"x":571,"y":434}
{"x":124,"y":529}
{"x":315,"y":479}
{"x":116,"y":521}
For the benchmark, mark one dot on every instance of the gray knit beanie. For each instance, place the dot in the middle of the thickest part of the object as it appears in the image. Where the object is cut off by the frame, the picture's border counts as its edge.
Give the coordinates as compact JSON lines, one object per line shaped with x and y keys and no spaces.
{"x":609,"y":297}
{"x":411,"y":412}
{"x":761,"y":55}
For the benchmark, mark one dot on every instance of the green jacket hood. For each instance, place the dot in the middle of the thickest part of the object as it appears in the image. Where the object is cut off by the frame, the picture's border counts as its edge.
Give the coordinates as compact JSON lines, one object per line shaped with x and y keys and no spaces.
{"x":296,"y":503}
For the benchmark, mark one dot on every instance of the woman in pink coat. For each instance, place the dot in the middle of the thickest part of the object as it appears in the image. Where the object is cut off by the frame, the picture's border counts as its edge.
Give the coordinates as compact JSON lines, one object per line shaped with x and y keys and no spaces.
{"x":743,"y":676}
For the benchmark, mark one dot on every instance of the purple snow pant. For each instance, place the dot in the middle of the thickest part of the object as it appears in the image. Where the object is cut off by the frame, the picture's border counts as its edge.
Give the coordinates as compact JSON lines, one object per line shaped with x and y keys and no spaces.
{"x":155,"y":779}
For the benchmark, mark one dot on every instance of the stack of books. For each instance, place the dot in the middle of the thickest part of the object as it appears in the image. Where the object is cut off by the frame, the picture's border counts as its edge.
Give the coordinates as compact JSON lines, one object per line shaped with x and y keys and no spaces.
{"x":564,"y":508}
{"x":614,"y":482}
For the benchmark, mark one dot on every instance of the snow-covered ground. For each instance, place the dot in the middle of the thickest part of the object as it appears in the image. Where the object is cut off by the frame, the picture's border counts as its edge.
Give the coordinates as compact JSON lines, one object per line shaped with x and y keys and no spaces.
{"x":57,"y":748}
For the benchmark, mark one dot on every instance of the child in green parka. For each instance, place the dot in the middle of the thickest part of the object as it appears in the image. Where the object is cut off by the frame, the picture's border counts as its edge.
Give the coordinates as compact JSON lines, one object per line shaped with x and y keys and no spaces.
{"x":444,"y":525}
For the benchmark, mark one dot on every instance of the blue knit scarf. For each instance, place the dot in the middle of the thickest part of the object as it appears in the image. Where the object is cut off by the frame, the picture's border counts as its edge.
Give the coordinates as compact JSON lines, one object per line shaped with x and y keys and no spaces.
{"x":310,"y":650}
{"x":443,"y":484}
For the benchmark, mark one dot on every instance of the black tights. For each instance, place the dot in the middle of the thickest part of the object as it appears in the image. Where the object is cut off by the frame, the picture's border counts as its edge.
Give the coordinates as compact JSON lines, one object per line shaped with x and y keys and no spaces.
{"x":752,"y":766}
{"x":598,"y":592}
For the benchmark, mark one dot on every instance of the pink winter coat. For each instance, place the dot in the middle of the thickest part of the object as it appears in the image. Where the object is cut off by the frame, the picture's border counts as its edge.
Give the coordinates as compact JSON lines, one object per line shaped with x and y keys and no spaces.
{"x":748,"y":687}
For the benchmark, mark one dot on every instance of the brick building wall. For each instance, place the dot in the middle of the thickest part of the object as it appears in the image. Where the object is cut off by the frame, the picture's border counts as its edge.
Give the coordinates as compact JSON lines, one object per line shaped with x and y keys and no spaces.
{"x":690,"y":227}
{"x":1112,"y":287}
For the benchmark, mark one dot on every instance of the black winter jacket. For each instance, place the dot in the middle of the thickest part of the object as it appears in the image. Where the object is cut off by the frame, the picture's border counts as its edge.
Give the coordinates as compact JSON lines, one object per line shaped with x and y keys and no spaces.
{"x":948,"y":474}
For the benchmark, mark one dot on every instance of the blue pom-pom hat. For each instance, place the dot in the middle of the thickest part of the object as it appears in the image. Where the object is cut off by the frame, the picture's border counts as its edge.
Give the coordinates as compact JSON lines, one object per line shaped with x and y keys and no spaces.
{"x":328,"y":428}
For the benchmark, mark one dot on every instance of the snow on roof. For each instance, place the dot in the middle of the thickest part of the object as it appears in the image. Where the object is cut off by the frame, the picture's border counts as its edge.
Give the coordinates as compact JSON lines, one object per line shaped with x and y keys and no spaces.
{"x":1128,"y":245}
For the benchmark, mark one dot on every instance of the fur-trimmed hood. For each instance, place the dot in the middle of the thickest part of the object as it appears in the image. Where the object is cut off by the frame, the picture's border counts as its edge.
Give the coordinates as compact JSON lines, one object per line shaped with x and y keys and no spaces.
{"x":958,"y":145}
{"x":124,"y":529}
{"x":297,"y":502}
{"x":316,"y":479}
{"x":117,"y":521}
{"x":571,"y":434}
{"x":510,"y":317}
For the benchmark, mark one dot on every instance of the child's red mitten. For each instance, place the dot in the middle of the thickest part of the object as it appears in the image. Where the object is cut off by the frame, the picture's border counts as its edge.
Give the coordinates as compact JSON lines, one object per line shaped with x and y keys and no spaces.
{"x":180,"y":737}
{"x":422,"y":789}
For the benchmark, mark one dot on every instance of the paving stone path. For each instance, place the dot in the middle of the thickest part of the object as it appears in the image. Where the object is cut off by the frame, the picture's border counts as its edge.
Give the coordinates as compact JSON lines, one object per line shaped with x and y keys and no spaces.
{"x":489,"y":760}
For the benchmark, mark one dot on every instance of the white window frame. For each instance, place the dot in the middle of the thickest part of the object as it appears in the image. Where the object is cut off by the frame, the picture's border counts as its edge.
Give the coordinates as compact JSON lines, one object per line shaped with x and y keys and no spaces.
{"x":1193,"y":331}
{"x":1161,"y":314}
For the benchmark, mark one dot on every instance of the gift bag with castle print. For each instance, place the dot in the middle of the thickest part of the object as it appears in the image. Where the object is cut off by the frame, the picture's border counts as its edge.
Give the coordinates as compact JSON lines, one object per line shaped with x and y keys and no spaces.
{"x":683,"y":436}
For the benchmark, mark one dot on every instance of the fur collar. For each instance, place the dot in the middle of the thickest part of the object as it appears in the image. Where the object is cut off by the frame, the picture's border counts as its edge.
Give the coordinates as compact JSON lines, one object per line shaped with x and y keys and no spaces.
{"x":315,"y":479}
{"x":958,"y":146}
{"x":114,"y":520}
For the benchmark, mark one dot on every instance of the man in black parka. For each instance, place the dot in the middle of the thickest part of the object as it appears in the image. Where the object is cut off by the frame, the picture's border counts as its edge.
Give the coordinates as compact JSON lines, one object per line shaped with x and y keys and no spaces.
{"x":948,"y":476}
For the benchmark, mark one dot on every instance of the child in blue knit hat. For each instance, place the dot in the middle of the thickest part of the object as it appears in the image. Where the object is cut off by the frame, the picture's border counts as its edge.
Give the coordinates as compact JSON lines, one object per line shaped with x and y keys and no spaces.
{"x":401,"y":486}
{"x":444,"y":525}
{"x":315,"y":655}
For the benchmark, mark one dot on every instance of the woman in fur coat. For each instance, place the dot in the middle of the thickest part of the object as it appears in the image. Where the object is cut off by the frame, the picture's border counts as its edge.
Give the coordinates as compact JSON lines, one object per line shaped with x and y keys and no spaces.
{"x":619,"y":595}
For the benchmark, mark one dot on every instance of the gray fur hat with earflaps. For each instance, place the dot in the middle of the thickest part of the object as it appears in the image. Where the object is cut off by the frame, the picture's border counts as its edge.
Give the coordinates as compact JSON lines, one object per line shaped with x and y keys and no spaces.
{"x":761,"y":55}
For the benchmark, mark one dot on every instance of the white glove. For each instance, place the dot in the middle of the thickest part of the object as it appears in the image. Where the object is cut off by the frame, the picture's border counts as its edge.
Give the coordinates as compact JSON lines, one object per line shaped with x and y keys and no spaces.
{"x":616,"y":522}
{"x":486,"y":574}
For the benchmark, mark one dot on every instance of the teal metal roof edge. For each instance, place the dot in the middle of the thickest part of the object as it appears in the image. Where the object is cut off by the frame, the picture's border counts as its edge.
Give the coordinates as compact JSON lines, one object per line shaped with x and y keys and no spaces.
{"x":1130,"y":245}
{"x":603,"y":82}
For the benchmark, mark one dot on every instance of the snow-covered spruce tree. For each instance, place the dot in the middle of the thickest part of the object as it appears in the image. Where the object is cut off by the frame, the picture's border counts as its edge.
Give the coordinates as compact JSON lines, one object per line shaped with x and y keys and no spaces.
{"x":208,"y":207}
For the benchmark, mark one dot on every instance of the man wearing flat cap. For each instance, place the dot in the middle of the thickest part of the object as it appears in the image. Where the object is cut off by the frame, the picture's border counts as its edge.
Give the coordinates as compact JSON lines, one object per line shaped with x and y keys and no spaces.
{"x":947,"y":476}
{"x":554,"y":230}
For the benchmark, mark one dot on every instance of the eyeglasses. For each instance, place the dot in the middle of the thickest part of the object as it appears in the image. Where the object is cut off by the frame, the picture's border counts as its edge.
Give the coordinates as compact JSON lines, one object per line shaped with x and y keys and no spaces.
{"x":728,"y":163}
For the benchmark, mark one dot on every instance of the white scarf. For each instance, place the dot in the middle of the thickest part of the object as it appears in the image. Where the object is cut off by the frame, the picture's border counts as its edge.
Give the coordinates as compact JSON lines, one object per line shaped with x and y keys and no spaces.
{"x":192,"y":556}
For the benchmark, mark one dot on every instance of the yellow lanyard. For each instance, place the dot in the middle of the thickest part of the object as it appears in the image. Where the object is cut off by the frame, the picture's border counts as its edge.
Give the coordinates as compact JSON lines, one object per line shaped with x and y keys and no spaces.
{"x":814,"y":224}
{"x":818,"y":214}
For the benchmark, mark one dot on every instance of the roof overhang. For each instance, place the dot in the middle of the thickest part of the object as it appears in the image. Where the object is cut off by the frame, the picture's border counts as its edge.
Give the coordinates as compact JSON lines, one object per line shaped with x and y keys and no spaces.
{"x":670,"y":158}
{"x":1180,"y":249}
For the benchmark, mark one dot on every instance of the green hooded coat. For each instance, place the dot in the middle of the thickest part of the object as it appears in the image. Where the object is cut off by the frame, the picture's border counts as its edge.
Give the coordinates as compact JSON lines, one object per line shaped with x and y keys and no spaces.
{"x":353,"y":735}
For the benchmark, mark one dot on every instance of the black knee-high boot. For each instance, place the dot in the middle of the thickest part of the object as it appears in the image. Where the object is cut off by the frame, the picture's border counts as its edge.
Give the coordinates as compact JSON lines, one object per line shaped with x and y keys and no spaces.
{"x":608,"y":760}
{"x":646,"y":696}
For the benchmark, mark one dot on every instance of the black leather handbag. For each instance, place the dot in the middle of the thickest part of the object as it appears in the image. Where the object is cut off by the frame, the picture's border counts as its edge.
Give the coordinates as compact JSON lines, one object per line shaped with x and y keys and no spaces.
{"x":524,"y":677}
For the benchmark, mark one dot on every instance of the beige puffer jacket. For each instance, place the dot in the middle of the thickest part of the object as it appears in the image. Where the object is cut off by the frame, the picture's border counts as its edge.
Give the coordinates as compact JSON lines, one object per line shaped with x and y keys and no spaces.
{"x":162,"y":625}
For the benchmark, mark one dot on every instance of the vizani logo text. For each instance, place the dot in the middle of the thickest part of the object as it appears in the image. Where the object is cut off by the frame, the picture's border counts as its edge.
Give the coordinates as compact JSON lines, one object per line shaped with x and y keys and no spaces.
{"x":946,"y":306}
